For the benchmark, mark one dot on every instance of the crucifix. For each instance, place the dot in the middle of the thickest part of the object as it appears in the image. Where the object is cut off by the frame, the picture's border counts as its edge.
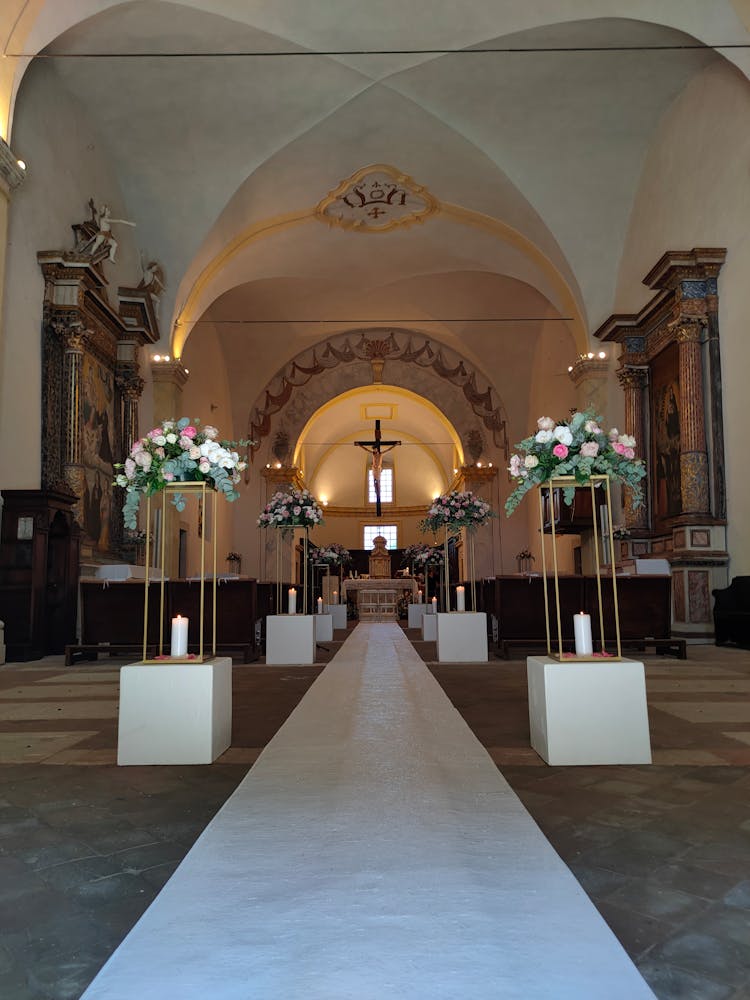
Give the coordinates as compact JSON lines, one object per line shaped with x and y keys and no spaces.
{"x":377,"y":449}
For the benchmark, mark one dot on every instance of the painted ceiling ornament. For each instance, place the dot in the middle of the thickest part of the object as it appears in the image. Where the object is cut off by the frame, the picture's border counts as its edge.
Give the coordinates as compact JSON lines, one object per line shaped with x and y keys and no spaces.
{"x":376,"y":199}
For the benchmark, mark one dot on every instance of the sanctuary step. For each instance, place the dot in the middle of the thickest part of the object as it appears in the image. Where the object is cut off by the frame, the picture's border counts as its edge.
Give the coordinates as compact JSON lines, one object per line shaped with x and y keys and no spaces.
{"x":373,"y":851}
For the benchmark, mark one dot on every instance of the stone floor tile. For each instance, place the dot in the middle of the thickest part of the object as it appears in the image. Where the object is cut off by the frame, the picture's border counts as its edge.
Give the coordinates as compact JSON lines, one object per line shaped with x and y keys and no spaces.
{"x":70,"y":874}
{"x":727,"y":922}
{"x":636,"y":933}
{"x":698,"y":881}
{"x":597,"y":882}
{"x":655,"y":900}
{"x":739,"y":895}
{"x":721,"y":960}
{"x":672,"y":983}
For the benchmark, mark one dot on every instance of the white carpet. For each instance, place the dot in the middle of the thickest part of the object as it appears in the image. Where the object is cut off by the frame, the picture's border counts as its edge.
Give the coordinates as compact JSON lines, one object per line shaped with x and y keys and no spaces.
{"x":373,"y":852}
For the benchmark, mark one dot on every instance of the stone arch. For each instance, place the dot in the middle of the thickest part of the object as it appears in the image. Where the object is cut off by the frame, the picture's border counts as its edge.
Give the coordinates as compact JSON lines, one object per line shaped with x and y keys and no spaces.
{"x":401,"y":357}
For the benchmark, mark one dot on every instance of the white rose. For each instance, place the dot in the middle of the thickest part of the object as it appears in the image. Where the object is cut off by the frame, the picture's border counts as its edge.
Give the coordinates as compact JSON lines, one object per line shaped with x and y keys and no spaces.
{"x":195,"y":452}
{"x":170,"y":439}
{"x":543,"y":437}
{"x":545,"y":424}
{"x":531,"y":461}
{"x":122,"y":480}
{"x":628,"y":440}
{"x":563,"y":435}
{"x":161,"y":440}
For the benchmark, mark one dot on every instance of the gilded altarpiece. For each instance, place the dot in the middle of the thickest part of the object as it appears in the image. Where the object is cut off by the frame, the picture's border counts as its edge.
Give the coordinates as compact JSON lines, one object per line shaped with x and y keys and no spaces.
{"x":670,"y":373}
{"x":90,"y":391}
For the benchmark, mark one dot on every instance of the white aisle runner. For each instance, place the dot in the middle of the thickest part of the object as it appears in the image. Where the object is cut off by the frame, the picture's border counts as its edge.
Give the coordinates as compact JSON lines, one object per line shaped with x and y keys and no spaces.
{"x":373,"y":852}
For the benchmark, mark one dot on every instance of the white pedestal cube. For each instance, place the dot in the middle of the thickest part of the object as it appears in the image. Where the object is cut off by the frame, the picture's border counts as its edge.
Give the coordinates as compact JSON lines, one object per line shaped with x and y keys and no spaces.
{"x":323,"y":628}
{"x":338,"y":611}
{"x":462,"y":637}
{"x":588,"y":712}
{"x":175,"y":713}
{"x":429,"y":627}
{"x":290,"y":639}
{"x":416,"y":614}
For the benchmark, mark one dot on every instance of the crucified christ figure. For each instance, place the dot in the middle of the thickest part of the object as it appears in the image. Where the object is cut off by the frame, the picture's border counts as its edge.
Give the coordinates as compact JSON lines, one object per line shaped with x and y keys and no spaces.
{"x":377,"y":448}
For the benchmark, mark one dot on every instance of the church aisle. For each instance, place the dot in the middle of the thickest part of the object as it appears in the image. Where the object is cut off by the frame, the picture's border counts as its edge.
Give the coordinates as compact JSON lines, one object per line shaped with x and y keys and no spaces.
{"x":374,"y":851}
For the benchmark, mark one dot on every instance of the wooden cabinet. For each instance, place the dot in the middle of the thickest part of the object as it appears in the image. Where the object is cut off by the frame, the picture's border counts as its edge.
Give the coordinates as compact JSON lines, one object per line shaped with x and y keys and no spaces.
{"x":38,"y":572}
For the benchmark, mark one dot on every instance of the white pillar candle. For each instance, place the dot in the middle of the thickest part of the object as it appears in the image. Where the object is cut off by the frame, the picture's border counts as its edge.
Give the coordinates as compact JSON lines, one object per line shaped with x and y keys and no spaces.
{"x":335,"y":597}
{"x":320,"y":605}
{"x":179,"y":637}
{"x":420,"y":597}
{"x":434,"y":605}
{"x":460,"y":599}
{"x":582,"y":630}
{"x":292,"y":601}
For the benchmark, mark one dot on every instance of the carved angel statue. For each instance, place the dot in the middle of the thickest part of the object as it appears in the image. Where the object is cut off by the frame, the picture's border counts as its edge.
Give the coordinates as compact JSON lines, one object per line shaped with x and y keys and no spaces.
{"x":102,"y":219}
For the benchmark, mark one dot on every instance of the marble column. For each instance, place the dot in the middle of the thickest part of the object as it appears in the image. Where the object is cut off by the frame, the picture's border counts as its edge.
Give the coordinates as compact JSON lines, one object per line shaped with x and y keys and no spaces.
{"x":693,"y":455}
{"x":634,"y":381}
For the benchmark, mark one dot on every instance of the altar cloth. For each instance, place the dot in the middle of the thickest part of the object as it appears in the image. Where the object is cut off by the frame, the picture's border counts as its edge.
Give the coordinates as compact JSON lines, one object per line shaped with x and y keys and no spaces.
{"x":374,"y":852}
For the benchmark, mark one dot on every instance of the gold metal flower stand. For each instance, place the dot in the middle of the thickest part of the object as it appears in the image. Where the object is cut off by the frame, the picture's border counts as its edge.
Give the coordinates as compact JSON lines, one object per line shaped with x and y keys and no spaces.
{"x":200,"y":490}
{"x":594,"y":482}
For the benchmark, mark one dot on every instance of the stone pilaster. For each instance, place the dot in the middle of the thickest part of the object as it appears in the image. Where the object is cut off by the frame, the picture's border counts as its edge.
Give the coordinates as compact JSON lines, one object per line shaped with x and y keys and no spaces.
{"x":589,"y":375}
{"x":634,"y":381}
{"x":169,"y":378}
{"x":11,"y":176}
{"x":693,"y":454}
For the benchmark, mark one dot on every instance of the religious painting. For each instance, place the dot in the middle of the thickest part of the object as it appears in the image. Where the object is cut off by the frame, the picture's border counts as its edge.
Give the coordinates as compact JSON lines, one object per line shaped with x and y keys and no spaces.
{"x":97,"y":451}
{"x":665,"y":433}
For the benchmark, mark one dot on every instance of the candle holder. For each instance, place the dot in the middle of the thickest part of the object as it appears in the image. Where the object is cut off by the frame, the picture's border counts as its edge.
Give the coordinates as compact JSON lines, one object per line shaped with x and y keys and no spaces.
{"x":200,"y":489}
{"x":566,"y":482}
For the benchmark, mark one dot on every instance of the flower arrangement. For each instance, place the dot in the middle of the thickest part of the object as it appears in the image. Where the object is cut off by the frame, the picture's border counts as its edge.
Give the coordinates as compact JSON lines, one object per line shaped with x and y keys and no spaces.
{"x":234,"y":557}
{"x":619,"y":531}
{"x":525,"y":556}
{"x":292,"y":508}
{"x":334,"y":555}
{"x":576,"y":447}
{"x":420,"y":555}
{"x":457,"y":510}
{"x":178,"y":451}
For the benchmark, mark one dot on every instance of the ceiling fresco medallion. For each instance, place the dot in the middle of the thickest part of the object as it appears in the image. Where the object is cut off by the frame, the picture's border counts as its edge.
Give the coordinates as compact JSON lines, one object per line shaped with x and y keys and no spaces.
{"x":376,"y":199}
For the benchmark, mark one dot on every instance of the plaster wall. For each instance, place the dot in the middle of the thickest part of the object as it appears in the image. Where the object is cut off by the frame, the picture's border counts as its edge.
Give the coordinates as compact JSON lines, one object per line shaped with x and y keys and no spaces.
{"x":694,"y":192}
{"x":67,"y":165}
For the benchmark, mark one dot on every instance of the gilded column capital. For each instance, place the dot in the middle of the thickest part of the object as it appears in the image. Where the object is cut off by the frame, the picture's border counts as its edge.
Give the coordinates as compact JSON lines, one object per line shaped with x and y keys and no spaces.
{"x":690,"y":332}
{"x":129,"y":383}
{"x":71,"y":333}
{"x":631,"y":377}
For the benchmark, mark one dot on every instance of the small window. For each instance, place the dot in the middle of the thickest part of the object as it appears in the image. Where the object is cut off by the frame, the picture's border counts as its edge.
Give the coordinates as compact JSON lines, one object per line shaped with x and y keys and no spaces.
{"x":388,"y":531}
{"x":386,"y":486}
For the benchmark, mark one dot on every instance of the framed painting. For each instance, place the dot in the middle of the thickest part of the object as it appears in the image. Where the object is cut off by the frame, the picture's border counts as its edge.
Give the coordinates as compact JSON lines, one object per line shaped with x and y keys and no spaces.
{"x":665,"y":434}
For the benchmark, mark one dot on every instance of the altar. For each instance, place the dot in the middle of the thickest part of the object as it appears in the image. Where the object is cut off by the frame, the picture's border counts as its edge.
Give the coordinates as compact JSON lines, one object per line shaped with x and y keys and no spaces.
{"x":377,"y":600}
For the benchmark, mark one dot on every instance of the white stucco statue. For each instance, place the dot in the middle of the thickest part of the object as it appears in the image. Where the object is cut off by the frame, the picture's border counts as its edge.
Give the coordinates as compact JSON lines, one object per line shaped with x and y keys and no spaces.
{"x":103,"y":220}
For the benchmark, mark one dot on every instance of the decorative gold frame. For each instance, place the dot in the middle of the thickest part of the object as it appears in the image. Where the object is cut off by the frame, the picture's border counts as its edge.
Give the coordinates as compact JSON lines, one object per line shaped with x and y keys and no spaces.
{"x":201,"y":489}
{"x":561,"y":482}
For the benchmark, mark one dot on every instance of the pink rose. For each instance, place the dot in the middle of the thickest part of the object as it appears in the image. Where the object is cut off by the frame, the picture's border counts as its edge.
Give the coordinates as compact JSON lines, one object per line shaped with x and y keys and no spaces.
{"x":619,"y":448}
{"x":186,"y":443}
{"x":129,"y":468}
{"x":629,"y":453}
{"x":189,"y":431}
{"x":168,"y":477}
{"x":204,"y":466}
{"x":160,"y":453}
{"x":138,"y":446}
{"x":156,"y":432}
{"x":560,"y":451}
{"x":589,"y":449}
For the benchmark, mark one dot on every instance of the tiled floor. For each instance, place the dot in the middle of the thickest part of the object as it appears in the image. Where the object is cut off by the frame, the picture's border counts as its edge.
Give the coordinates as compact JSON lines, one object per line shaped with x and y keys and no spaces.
{"x":664,"y":851}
